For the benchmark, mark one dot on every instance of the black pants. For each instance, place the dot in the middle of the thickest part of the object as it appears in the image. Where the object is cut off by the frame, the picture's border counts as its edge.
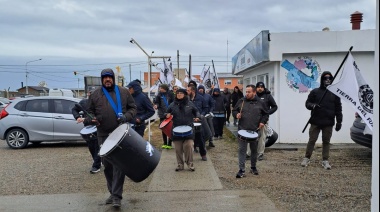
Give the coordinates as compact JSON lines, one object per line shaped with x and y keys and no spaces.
{"x":140,"y":129}
{"x":200,"y":142}
{"x":228,"y":114}
{"x":114,"y":176}
{"x":218,"y":125}
{"x":93,"y":146}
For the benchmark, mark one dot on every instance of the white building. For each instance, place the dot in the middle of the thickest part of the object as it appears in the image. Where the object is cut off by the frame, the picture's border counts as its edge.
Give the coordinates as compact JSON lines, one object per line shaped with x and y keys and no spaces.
{"x":267,"y":56}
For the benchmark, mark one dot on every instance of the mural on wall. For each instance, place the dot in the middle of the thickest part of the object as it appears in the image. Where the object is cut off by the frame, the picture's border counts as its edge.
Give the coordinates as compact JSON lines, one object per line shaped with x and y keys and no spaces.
{"x":302,"y":75}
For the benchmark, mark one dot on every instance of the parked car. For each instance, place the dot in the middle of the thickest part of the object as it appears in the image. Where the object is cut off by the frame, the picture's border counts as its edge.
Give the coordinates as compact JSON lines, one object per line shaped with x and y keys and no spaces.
{"x":3,"y":102}
{"x":39,"y":119}
{"x":357,"y":135}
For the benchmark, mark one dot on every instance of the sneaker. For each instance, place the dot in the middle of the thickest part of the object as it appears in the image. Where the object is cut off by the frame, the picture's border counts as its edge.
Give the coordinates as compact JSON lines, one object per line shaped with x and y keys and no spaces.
{"x":164,"y":146}
{"x":191,"y":167}
{"x":220,"y":137}
{"x":196,"y":150}
{"x":204,"y":158}
{"x":179,"y":168}
{"x":254,"y":171}
{"x":240,"y":174}
{"x":94,"y":170}
{"x":260,"y":157}
{"x":326,"y":165}
{"x":169,"y":147}
{"x":116,"y":203}
{"x":305,"y":162}
{"x":109,"y":200}
{"x":215,"y":137}
{"x":211,"y":144}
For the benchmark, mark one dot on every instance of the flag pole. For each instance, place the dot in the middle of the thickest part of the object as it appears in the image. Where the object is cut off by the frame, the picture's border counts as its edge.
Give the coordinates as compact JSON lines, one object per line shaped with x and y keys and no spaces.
{"x":324,"y":94}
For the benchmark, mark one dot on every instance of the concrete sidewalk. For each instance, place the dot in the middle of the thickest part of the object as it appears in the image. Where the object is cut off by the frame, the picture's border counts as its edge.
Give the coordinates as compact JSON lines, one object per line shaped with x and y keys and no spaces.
{"x":168,"y":190}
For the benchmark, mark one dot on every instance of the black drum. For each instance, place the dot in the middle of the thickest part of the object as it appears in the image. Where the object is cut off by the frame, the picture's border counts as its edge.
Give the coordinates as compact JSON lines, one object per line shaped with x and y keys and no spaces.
{"x":247,"y":135}
{"x":271,"y":137}
{"x":88,"y":133}
{"x":127,"y":150}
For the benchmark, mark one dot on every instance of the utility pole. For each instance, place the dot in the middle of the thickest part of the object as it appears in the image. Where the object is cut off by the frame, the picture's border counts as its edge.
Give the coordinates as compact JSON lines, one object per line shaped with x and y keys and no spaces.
{"x":178,"y":64}
{"x":130,"y":73}
{"x":149,"y":69}
{"x":227,"y":55}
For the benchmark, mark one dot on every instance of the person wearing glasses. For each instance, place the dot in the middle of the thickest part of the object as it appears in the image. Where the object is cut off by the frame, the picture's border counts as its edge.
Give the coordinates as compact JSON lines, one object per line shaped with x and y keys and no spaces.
{"x":325,"y":108}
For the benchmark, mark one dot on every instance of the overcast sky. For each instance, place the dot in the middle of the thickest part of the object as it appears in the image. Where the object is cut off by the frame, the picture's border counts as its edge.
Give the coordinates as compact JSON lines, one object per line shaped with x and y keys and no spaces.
{"x":89,"y":35}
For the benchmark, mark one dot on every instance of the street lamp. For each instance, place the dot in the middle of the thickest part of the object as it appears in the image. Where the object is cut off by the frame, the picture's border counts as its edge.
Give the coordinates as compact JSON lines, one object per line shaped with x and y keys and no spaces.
{"x":26,"y":73}
{"x":149,"y":68}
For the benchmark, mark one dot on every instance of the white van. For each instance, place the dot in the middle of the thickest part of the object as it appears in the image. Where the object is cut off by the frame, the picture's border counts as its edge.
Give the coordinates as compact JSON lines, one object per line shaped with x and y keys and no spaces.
{"x":61,"y":92}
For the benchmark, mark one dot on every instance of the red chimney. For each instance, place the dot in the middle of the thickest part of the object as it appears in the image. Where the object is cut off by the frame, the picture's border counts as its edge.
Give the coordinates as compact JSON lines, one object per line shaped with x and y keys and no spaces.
{"x":356,"y":18}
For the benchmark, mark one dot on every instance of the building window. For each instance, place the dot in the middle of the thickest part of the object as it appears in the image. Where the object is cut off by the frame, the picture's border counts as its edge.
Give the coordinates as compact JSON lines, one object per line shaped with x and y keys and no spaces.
{"x":227,"y":82}
{"x":240,"y":81}
{"x":263,"y":78}
{"x":254,"y":80}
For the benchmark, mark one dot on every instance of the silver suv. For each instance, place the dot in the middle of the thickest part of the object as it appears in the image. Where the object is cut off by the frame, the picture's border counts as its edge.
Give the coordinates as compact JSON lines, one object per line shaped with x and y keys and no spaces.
{"x":39,"y":119}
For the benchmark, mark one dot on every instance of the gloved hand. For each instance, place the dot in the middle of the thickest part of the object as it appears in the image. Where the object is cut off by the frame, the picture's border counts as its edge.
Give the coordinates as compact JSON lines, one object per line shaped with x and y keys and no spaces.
{"x":122,"y":119}
{"x":89,"y":121}
{"x":338,"y":126}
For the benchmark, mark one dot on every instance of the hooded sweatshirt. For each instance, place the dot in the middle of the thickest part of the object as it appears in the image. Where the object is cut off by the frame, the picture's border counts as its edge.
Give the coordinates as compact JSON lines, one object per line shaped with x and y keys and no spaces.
{"x":144,"y":105}
{"x":267,"y":98}
{"x":329,"y":109}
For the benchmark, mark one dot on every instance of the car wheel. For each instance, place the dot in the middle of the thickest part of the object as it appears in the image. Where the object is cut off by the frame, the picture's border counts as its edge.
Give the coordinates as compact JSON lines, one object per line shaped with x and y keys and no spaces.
{"x":17,"y":139}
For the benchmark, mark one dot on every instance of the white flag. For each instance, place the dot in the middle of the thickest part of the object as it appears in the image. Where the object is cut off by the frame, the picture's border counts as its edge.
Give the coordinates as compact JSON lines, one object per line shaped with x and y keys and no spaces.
{"x":206,"y":81}
{"x":353,"y":89}
{"x":166,"y":75}
{"x":178,"y":83}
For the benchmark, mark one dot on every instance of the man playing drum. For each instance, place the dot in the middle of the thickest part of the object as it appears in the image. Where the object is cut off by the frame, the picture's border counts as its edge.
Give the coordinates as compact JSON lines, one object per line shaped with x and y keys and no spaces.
{"x":184,"y":114}
{"x":111,"y":105}
{"x":252,"y":116}
{"x":92,"y":144}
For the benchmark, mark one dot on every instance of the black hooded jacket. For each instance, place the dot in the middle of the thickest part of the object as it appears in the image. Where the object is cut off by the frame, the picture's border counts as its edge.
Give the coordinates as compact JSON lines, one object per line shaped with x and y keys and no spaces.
{"x":267,"y":98}
{"x":329,"y":108}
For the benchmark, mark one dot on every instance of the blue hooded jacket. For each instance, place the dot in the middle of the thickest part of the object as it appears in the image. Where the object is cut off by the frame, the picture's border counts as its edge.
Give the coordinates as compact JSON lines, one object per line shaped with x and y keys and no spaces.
{"x":144,"y":105}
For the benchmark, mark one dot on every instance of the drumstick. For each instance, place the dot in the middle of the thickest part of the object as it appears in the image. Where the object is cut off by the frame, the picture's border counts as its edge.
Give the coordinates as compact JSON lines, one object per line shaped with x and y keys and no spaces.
{"x":241,"y":109}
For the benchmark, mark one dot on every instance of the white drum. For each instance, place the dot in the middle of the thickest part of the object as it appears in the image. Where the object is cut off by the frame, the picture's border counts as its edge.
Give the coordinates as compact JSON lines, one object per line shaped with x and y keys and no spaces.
{"x":182,"y":131}
{"x":197,"y":126}
{"x":247,"y":135}
{"x":88,"y":133}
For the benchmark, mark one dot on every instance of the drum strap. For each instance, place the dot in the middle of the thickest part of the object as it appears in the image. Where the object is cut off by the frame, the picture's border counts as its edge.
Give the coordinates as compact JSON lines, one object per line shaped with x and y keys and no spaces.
{"x":112,"y":103}
{"x":165,"y":100}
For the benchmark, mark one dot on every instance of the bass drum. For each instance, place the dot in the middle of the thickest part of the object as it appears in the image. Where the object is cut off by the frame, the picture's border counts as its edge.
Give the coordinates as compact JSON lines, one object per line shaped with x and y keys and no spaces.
{"x":127,"y":150}
{"x":271,"y":138}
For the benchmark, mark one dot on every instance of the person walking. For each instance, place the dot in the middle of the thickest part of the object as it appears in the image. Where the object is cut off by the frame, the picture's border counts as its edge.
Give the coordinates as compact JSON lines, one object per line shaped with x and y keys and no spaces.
{"x":252,"y":116}
{"x":184,"y":114}
{"x":209,"y":116}
{"x":202,"y":107}
{"x":227,"y":95}
{"x":144,"y":107}
{"x":219,"y":113}
{"x":92,"y":143}
{"x":235,"y":96}
{"x":111,"y":105}
{"x":325,"y":108}
{"x":161,"y":103}
{"x":271,"y":107}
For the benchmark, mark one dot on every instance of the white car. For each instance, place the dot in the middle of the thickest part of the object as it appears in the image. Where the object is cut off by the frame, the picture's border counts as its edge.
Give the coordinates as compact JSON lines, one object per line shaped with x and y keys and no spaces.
{"x":39,"y":119}
{"x":3,"y":102}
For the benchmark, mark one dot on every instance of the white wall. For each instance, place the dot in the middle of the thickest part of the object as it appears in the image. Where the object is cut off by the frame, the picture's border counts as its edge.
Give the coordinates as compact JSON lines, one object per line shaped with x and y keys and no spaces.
{"x":294,"y":115}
